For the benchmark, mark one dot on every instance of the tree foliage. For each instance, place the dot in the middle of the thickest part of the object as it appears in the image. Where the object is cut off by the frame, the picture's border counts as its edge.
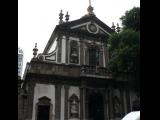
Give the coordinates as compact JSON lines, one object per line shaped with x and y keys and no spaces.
{"x":124,"y":51}
{"x":125,"y":46}
{"x":131,"y":19}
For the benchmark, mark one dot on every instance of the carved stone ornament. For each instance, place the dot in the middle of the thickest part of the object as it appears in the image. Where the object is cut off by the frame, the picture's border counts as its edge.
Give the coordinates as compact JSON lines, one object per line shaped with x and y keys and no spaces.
{"x":40,"y":57}
{"x":74,"y":106}
{"x":92,"y":28}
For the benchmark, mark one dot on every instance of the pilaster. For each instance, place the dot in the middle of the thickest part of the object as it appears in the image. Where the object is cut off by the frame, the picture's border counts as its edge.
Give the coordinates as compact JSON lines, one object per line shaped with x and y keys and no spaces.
{"x":128,"y":100}
{"x":28,"y":101}
{"x":57,"y":101}
{"x":105,"y":101}
{"x":122,"y":102}
{"x":66,"y":87}
{"x":110,"y":96}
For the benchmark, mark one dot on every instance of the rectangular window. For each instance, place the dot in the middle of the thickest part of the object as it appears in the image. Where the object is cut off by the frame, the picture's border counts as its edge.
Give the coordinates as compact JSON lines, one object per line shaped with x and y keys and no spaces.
{"x":93,"y":57}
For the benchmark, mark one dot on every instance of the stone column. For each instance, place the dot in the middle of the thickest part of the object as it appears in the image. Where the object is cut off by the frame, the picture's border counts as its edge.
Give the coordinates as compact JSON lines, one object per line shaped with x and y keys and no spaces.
{"x":110,"y":96}
{"x":128,"y":100}
{"x":28,"y":101}
{"x":66,"y":88}
{"x":59,"y":46}
{"x":20,"y":107}
{"x":101,"y":57}
{"x":105,"y":104}
{"x":104,"y":55}
{"x":63,"y":50}
{"x":62,"y":102}
{"x":82,"y":103}
{"x":86,"y":103}
{"x":122,"y":103}
{"x":57,"y":101}
{"x":67,"y":44}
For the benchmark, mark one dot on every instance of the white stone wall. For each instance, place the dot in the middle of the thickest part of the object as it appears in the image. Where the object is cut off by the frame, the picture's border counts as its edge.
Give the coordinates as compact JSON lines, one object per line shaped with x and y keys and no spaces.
{"x":41,"y":90}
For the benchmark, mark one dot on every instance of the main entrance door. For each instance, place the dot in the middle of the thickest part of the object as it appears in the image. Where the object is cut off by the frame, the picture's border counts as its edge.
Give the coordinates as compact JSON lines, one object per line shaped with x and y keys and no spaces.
{"x":43,"y":112}
{"x":95,"y":106}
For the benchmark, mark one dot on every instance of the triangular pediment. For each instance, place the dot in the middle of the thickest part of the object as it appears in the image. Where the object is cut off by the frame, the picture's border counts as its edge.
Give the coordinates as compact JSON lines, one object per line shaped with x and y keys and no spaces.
{"x":90,"y":24}
{"x":91,"y":27}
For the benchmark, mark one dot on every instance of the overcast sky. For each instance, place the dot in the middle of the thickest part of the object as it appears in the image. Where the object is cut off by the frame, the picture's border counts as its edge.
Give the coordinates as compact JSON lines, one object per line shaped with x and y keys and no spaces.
{"x":38,"y":18}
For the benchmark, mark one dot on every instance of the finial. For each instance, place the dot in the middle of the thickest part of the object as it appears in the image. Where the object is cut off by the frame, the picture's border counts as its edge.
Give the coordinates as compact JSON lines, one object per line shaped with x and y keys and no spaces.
{"x":61,"y":17}
{"x":113,"y":26}
{"x":90,"y":9}
{"x":89,"y":2}
{"x":118,"y":28}
{"x":35,"y":50}
{"x":67,"y":16}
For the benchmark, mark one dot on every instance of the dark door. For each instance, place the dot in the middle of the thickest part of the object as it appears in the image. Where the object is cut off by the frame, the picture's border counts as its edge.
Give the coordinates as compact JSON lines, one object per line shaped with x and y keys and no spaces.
{"x":43,"y":112}
{"x":95,"y":107}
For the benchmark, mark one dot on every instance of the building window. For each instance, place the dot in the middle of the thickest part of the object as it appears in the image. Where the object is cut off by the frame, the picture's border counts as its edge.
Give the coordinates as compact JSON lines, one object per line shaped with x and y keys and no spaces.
{"x":43,"y":109}
{"x":93,"y":56}
{"x":74,"y":106}
{"x":74,"y":52}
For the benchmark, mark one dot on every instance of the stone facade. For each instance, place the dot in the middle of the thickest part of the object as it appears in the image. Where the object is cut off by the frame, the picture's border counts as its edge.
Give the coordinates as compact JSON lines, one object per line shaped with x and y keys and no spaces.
{"x":73,"y":81}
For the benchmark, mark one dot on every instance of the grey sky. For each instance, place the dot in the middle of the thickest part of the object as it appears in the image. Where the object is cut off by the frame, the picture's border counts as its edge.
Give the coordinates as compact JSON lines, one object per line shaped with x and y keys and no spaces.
{"x":38,"y":18}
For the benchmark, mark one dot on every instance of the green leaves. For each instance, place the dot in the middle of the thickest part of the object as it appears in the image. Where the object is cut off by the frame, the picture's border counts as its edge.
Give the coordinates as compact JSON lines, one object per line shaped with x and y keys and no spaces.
{"x":131,"y":19}
{"x":125,"y":47}
{"x":124,"y":51}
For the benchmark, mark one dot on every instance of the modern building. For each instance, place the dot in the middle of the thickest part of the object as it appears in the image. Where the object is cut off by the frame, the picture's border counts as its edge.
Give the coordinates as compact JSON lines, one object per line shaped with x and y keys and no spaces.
{"x":20,"y":61}
{"x":72,"y":81}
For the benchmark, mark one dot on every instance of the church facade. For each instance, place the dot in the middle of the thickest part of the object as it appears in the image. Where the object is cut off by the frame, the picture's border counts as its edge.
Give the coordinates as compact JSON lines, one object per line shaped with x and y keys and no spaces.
{"x":71,"y":80}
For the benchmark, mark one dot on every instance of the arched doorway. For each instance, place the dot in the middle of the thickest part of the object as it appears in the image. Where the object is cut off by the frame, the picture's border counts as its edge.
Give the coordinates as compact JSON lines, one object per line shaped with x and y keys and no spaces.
{"x":95,"y":106}
{"x":43,"y":109}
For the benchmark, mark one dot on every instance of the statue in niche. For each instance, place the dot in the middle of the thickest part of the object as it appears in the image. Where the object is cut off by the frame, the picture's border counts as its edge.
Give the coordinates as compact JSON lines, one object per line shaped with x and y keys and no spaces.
{"x":117,"y":107}
{"x":74,"y":106}
{"x":136,"y":103}
{"x":74,"y":52}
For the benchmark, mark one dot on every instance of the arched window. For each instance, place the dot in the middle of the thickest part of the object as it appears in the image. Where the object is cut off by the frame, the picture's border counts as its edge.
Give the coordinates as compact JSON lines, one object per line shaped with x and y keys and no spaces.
{"x":43,"y":109}
{"x":74,"y":52}
{"x":73,"y":106}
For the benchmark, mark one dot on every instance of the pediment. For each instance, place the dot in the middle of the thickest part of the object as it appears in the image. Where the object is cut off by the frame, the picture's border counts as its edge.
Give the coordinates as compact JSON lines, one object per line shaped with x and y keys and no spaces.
{"x":90,"y":27}
{"x":90,"y":24}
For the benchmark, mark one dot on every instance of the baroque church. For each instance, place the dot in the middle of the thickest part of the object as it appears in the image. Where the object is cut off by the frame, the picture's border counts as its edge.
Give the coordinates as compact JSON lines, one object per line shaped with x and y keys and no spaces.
{"x":71,"y":80}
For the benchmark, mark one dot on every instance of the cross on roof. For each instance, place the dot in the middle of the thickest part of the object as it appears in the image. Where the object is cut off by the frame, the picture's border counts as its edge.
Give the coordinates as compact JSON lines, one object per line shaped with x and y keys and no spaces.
{"x":89,"y":2}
